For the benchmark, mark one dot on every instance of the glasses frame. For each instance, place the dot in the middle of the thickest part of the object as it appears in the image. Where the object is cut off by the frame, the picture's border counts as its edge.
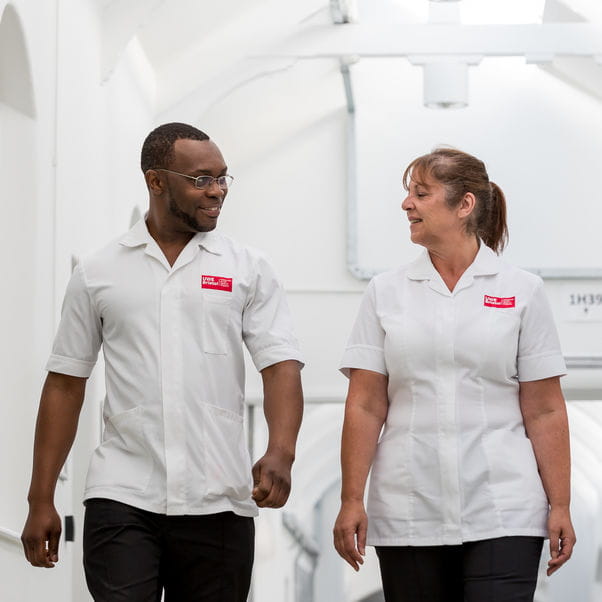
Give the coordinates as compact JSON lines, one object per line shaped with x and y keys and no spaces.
{"x":228,"y":177}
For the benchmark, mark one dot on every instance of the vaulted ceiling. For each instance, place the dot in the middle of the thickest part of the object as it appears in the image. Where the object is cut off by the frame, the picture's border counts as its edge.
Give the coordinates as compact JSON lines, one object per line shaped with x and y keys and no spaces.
{"x":205,"y":49}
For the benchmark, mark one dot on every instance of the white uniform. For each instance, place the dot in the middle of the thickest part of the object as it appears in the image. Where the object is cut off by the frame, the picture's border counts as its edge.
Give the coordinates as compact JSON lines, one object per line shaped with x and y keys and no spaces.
{"x":453,"y":463}
{"x":172,"y":340}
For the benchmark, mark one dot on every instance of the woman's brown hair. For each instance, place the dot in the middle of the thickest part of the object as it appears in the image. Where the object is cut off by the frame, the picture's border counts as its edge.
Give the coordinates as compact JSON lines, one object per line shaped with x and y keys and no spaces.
{"x":460,"y":173}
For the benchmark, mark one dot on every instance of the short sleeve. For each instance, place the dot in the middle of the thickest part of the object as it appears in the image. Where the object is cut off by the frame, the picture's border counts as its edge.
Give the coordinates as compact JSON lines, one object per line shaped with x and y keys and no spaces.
{"x":79,"y":334}
{"x":365,"y":348}
{"x":539,"y":353}
{"x":267,"y":325}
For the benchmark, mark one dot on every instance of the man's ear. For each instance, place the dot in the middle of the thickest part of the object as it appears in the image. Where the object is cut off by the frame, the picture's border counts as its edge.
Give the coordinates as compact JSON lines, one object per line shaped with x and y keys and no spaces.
{"x":154,"y":183}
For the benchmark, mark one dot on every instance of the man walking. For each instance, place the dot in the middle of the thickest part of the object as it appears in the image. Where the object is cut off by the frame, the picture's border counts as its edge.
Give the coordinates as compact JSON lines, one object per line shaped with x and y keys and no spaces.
{"x":170,"y":492}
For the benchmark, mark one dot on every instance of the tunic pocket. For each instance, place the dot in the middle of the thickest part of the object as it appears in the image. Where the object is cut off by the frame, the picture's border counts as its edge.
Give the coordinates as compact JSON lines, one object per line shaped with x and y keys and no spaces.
{"x":390,"y":478}
{"x":513,"y":473}
{"x":216,"y":322}
{"x":122,"y":459}
{"x":227,"y":464}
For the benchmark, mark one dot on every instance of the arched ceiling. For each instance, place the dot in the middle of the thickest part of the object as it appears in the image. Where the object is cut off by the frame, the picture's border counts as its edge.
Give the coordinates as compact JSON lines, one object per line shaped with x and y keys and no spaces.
{"x":192,"y":45}
{"x":207,"y":48}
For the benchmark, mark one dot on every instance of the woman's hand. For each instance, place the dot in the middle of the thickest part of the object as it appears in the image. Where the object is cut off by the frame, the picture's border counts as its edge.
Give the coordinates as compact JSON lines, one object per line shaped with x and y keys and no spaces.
{"x":562,"y":538}
{"x":350,"y":533}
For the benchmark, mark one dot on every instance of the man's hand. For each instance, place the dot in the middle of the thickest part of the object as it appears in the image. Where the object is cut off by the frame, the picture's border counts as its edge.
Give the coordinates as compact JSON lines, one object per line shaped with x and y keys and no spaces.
{"x":41,"y":535}
{"x":272,"y":480}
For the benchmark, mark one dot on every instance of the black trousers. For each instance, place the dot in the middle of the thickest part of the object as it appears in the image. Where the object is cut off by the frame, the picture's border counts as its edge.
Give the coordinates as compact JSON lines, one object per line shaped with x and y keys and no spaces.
{"x":493,"y":570}
{"x":131,"y":555}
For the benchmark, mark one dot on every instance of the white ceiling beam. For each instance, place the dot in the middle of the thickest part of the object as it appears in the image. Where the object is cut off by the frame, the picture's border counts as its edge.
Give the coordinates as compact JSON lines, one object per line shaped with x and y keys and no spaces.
{"x":589,"y":10}
{"x":581,"y":72}
{"x":388,"y":40}
{"x":557,"y":11}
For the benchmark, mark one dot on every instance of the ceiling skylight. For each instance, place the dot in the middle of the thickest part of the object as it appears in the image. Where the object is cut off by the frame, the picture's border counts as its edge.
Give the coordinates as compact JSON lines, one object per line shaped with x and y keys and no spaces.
{"x":474,"y":12}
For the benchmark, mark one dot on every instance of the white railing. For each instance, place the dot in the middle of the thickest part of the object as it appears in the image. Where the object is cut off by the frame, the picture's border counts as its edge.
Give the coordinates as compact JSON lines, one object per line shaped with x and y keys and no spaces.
{"x":10,"y":536}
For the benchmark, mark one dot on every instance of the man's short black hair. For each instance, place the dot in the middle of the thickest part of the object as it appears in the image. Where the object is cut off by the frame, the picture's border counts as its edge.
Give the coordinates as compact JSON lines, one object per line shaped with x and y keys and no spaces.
{"x":157,"y":150}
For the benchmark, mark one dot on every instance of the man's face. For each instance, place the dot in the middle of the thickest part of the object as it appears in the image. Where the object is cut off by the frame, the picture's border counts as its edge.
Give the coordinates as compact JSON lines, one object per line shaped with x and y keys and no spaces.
{"x":193,"y":209}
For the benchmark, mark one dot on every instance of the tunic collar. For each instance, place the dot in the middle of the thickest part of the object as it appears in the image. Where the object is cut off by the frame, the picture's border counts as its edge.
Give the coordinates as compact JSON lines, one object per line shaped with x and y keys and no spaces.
{"x":485,"y":263}
{"x":138,"y":235}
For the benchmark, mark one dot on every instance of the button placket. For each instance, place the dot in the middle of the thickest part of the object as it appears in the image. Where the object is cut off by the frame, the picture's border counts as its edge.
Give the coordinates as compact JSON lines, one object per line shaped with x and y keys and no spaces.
{"x":446,"y":416}
{"x":174,"y":425}
{"x":172,"y":365}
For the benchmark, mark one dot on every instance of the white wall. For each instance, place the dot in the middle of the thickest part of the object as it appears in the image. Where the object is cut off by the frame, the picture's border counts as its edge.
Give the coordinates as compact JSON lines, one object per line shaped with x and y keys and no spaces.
{"x":26,"y":148}
{"x":528,"y":127}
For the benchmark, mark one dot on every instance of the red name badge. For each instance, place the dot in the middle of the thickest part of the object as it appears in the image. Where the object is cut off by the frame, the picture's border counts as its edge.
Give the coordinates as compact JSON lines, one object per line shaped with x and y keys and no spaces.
{"x":217,"y":283}
{"x":499,"y":301}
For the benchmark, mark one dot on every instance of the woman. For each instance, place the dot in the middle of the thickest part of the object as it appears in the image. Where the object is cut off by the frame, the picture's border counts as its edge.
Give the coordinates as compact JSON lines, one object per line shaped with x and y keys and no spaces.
{"x":457,"y":356}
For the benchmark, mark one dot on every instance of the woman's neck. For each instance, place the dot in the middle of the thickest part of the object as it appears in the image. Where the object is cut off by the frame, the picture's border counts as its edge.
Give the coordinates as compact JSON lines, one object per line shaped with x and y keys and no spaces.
{"x":451,"y":260}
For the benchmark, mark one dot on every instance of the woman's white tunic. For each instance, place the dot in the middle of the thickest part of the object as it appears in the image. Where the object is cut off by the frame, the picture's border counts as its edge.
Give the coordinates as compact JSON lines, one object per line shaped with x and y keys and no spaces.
{"x":453,"y":463}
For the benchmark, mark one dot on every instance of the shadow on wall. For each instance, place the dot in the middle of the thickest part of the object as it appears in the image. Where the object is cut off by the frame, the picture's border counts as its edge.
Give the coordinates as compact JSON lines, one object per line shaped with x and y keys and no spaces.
{"x":375,"y":597}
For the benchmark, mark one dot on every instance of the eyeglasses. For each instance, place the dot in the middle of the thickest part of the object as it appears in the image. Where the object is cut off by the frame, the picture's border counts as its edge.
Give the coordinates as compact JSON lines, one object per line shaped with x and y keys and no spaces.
{"x":204,"y":181}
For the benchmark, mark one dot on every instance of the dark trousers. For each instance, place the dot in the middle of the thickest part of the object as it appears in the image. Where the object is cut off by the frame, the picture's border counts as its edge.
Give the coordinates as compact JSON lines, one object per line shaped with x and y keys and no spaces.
{"x":131,"y":555}
{"x":493,"y":570}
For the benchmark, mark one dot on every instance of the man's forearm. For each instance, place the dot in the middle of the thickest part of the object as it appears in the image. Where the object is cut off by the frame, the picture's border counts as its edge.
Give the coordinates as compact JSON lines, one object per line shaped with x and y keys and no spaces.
{"x":283,"y":406}
{"x":58,"y":415}
{"x":60,"y":405}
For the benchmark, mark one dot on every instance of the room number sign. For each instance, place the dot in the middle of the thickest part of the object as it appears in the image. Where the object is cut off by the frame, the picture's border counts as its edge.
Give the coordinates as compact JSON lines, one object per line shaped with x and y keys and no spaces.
{"x":584,"y":305}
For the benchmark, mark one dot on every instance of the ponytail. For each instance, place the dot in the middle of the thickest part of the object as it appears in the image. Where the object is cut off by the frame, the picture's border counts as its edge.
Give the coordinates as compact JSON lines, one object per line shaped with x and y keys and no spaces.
{"x":493,"y":228}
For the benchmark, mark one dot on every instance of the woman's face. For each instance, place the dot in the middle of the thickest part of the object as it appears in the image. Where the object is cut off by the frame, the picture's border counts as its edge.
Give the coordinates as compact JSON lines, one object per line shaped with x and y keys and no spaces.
{"x":432,"y":221}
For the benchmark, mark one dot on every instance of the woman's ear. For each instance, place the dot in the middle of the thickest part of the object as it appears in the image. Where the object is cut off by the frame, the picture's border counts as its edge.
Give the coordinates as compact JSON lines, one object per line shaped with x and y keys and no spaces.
{"x":467,"y":205}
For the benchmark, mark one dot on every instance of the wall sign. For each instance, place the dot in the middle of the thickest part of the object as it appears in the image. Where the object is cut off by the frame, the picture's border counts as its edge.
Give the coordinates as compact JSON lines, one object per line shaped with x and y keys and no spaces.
{"x":583,"y":303}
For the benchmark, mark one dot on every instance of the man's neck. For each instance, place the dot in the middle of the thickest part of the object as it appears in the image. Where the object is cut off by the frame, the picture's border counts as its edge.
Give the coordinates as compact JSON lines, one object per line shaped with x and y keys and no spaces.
{"x":170,"y":241}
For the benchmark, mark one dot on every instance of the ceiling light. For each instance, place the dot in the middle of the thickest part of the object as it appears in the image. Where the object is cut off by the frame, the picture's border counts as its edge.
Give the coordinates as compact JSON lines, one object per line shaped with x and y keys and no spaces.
{"x":445,"y":84}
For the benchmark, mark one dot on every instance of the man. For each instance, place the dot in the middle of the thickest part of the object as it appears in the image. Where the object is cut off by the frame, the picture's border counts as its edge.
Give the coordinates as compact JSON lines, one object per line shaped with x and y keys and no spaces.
{"x":170,"y":493}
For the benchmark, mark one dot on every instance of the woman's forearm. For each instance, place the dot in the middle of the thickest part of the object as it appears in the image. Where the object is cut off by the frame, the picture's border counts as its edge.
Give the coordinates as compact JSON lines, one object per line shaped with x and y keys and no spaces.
{"x":365,"y":413}
{"x":546,"y":423}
